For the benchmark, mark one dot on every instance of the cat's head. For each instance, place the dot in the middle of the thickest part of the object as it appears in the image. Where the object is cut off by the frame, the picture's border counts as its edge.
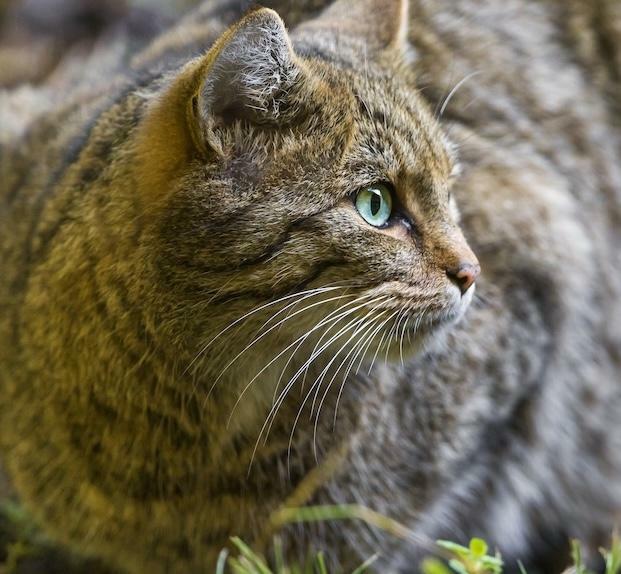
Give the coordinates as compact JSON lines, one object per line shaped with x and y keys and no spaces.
{"x":307,"y":169}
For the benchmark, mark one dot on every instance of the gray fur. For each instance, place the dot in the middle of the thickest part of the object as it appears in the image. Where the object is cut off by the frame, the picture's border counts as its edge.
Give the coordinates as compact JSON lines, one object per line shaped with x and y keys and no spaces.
{"x":504,"y":425}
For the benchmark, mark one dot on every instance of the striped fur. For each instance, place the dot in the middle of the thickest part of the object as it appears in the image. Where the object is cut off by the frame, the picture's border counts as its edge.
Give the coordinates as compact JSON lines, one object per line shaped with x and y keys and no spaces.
{"x":212,"y":179}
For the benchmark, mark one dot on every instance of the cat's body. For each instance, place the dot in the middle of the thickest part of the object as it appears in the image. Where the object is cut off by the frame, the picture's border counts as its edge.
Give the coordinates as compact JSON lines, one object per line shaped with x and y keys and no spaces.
{"x":126,"y":446}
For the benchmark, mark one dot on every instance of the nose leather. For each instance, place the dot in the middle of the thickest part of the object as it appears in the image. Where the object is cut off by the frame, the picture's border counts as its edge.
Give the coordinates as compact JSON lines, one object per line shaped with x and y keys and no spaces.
{"x":464,"y":275}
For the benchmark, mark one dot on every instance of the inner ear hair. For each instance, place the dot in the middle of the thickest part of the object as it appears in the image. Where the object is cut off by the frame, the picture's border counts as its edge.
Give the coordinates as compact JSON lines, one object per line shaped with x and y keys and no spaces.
{"x":250,"y":73}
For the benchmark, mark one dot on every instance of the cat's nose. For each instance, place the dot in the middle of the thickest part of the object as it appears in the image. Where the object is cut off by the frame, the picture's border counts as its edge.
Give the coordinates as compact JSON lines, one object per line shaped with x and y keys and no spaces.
{"x":464,"y":275}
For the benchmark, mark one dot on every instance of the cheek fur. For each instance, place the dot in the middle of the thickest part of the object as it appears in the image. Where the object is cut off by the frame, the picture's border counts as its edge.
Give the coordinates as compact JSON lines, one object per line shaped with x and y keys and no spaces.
{"x":454,"y":210}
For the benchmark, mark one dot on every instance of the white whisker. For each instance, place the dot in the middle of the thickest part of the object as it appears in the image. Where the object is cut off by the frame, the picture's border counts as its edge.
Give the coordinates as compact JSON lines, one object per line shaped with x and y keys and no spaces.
{"x":363,"y":319}
{"x":454,"y":91}
{"x":299,"y":341}
{"x":405,"y":324}
{"x":379,"y":345}
{"x":359,"y":344}
{"x":315,"y":353}
{"x":364,"y":349}
{"x":252,"y":312}
{"x":308,"y":394}
{"x":264,"y":334}
{"x":341,"y":314}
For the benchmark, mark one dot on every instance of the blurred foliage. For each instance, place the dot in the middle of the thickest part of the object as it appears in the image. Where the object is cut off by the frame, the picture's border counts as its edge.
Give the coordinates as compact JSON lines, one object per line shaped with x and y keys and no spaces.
{"x":25,"y":550}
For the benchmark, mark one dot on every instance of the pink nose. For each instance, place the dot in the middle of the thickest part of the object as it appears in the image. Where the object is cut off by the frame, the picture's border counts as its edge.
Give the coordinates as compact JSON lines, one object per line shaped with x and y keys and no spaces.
{"x":464,"y":275}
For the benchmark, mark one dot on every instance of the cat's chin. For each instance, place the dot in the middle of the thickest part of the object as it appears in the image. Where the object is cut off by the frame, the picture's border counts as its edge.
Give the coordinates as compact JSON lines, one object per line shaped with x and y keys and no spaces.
{"x":415,"y":340}
{"x":422,"y":334}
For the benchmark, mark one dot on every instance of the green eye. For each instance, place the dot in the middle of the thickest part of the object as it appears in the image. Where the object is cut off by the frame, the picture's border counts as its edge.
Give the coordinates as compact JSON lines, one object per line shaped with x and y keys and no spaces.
{"x":374,"y":203}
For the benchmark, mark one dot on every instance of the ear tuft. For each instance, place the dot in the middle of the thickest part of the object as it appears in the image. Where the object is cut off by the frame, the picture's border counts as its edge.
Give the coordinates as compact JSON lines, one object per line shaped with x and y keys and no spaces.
{"x":251,"y":69}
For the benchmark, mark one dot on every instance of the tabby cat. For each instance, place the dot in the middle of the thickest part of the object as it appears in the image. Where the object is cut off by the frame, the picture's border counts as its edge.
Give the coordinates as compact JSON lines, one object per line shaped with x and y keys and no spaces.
{"x":235,"y":279}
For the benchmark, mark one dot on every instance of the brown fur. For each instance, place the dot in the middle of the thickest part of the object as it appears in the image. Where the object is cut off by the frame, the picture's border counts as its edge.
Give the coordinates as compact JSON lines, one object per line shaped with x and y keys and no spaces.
{"x":140,"y":221}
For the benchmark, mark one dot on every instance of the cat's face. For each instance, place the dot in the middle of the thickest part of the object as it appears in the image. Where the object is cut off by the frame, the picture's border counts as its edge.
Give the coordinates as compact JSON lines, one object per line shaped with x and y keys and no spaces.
{"x":320,"y":185}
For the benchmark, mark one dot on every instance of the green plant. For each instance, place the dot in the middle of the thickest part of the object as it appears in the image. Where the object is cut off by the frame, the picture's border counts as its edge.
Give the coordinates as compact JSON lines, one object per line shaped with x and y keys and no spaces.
{"x":471,"y":559}
{"x":612,"y":557}
{"x":22,"y":539}
{"x":248,"y":561}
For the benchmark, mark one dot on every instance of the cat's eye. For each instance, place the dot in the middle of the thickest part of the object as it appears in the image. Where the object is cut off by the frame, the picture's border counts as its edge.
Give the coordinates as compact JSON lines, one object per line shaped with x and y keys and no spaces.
{"x":374,"y":204}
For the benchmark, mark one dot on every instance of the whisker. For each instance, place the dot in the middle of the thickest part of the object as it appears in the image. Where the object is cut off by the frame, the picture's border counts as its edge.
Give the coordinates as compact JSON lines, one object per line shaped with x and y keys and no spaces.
{"x":419,"y":320}
{"x":300,"y":340}
{"x":272,"y":414}
{"x":322,"y":322}
{"x":289,"y":306}
{"x":397,"y":338}
{"x":304,"y":368}
{"x":454,"y":91}
{"x":363,"y":319}
{"x":392,"y":332}
{"x":310,"y":391}
{"x":319,"y":343}
{"x":379,"y":346}
{"x":252,"y":312}
{"x":359,"y":344}
{"x":360,"y":326}
{"x":323,"y":347}
{"x":264,"y":334}
{"x":405,"y":324}
{"x":362,"y":353}
{"x":370,"y":342}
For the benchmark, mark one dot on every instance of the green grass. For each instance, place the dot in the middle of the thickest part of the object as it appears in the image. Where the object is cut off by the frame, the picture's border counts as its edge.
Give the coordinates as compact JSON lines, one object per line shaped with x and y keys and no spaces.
{"x":471,"y":559}
{"x":24,"y":548}
{"x":451,"y":558}
{"x":247,"y":561}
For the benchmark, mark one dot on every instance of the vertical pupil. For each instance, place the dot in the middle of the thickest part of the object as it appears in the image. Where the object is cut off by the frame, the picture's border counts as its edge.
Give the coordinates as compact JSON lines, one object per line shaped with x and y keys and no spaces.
{"x":376,"y":203}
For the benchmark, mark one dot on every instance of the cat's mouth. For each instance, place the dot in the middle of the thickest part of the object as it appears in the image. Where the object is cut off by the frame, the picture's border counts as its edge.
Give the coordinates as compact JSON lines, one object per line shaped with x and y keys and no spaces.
{"x":429,"y":325}
{"x":438,"y":320}
{"x":411,"y":335}
{"x":414,"y":329}
{"x":421,"y":328}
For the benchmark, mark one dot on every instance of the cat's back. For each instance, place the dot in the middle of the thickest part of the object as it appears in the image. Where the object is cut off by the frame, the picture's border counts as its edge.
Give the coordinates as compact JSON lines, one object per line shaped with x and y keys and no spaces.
{"x":65,"y":154}
{"x":42,"y":134}
{"x":55,"y":140}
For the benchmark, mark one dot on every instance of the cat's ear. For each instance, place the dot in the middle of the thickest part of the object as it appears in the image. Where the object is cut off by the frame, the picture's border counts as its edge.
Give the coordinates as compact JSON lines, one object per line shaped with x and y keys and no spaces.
{"x":381,"y":25}
{"x":248,"y":74}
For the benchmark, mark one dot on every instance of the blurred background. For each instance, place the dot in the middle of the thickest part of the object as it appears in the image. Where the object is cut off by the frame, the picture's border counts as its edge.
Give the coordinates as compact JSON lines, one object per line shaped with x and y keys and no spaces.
{"x":35,"y":35}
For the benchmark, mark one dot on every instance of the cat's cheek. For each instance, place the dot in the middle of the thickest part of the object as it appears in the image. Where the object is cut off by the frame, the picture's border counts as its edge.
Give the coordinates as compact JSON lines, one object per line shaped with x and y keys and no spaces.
{"x":397,"y":231}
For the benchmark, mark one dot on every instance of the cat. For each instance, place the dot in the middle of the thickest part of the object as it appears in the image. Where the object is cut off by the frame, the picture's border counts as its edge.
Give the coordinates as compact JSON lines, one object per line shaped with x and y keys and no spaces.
{"x":236,"y":279}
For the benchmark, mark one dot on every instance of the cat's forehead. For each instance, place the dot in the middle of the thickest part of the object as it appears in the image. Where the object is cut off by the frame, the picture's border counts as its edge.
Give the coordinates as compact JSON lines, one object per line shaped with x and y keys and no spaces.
{"x":396,"y":133}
